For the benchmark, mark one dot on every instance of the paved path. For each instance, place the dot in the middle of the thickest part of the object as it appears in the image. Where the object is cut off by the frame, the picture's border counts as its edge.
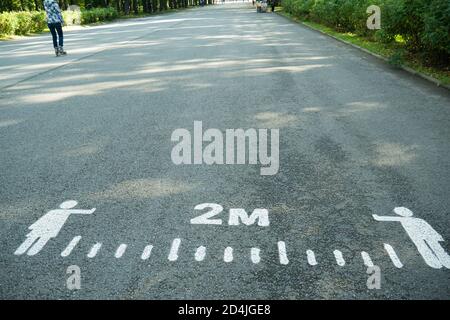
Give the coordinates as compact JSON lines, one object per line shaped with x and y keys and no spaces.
{"x":356,"y":138}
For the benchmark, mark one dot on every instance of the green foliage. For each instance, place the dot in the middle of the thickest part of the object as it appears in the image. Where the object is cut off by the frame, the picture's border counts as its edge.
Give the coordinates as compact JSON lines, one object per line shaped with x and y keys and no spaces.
{"x":8,"y":23}
{"x":98,"y":14}
{"x":21,"y":23}
{"x":397,"y":58}
{"x":299,"y":8}
{"x":424,"y":25}
{"x":19,"y":17}
{"x":25,"y":22}
{"x":435,"y":36}
{"x":38,"y":21}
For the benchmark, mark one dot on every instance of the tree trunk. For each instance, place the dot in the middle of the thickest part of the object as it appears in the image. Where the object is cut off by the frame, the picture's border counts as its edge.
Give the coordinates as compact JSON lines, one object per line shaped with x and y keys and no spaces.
{"x":164,"y":4}
{"x":62,"y":4}
{"x":145,"y":6}
{"x":126,"y":7}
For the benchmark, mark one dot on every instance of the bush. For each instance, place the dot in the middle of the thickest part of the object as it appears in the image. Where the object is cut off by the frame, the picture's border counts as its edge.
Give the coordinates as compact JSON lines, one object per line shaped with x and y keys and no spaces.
{"x":98,"y":14}
{"x":8,"y":23}
{"x":38,"y":21}
{"x":24,"y":22}
{"x":435,"y":36}
{"x":324,"y":11}
{"x":299,"y":8}
{"x":424,"y":25}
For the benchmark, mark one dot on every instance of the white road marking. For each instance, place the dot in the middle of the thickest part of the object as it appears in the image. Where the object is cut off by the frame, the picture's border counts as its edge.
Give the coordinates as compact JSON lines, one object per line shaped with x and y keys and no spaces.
{"x":228,"y":254}
{"x":120,"y":250}
{"x":48,"y":226}
{"x":425,"y":238}
{"x":32,"y":245}
{"x":206,"y":217}
{"x":70,"y":246}
{"x":339,"y":258}
{"x":394,"y":258}
{"x":422,"y":234}
{"x":200,"y":253}
{"x":311,"y":257}
{"x":147,"y":252}
{"x":254,"y":253}
{"x":94,"y":250}
{"x":282,"y":253}
{"x":367,"y":261}
{"x":173,"y":254}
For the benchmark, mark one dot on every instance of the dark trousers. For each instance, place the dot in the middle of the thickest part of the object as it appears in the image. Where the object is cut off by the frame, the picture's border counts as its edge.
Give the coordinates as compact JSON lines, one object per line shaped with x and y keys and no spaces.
{"x":54,"y":29}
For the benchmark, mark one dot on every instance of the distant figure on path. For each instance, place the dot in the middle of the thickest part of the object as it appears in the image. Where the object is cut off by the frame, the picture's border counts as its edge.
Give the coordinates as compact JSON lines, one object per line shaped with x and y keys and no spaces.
{"x":55,"y":22}
{"x":48,"y":226}
{"x":425,"y":238}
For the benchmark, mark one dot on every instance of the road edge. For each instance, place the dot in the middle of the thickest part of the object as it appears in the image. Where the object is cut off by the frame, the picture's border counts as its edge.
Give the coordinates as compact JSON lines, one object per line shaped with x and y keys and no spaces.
{"x":404,"y":68}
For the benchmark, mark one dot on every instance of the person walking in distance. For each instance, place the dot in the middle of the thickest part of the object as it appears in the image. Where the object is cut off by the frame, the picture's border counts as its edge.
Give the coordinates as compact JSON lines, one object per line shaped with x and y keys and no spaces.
{"x":55,"y":22}
{"x":48,"y":226}
{"x":424,"y":237}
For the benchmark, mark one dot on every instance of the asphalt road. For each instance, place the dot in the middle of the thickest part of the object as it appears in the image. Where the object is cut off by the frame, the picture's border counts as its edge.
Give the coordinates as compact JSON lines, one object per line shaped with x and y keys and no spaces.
{"x":357,"y":138}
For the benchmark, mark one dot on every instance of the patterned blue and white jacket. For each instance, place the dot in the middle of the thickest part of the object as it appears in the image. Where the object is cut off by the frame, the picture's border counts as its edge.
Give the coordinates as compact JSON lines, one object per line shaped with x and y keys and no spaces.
{"x":53,"y":11}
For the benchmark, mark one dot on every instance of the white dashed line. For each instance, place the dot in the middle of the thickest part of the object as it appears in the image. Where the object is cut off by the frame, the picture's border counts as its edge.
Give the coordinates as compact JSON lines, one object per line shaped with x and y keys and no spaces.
{"x":394,"y":258}
{"x":228,"y":254}
{"x":66,"y":252}
{"x":94,"y":250}
{"x":366,"y":258}
{"x":120,"y":250}
{"x":339,"y":258}
{"x":311,"y":257}
{"x":147,"y":252}
{"x":173,"y":254}
{"x":200,"y":253}
{"x":282,"y":253}
{"x":254,"y":254}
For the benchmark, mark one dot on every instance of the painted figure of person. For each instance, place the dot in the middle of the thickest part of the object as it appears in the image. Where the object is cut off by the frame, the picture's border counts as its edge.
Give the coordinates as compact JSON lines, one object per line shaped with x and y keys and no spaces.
{"x":47,"y":227}
{"x":424,"y":237}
